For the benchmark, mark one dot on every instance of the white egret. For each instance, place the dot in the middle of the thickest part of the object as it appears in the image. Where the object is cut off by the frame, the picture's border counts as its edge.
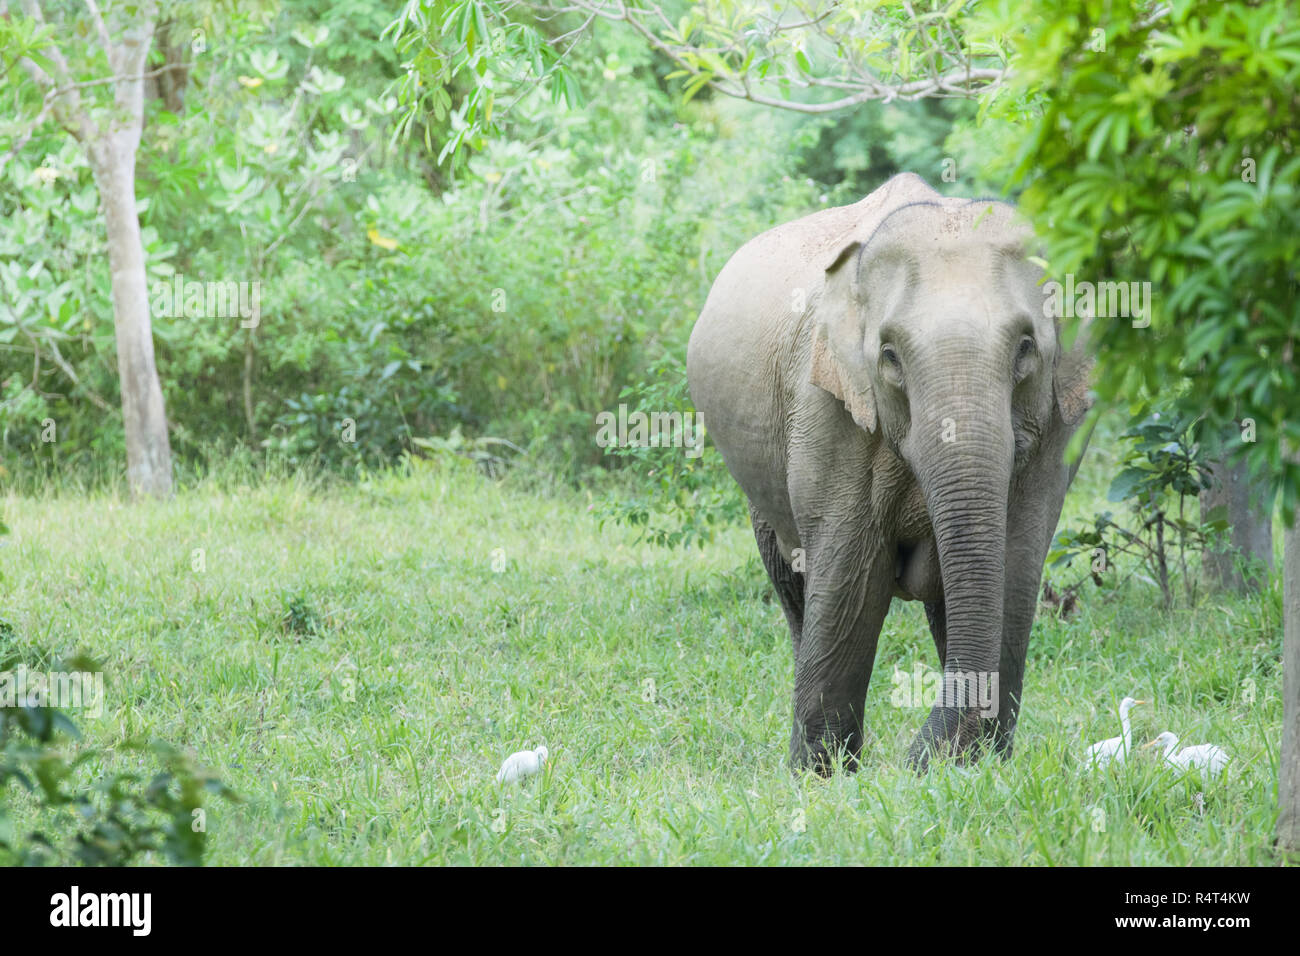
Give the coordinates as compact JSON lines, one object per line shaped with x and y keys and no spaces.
{"x":1207,"y":758}
{"x":1116,"y":748}
{"x":525,"y":763}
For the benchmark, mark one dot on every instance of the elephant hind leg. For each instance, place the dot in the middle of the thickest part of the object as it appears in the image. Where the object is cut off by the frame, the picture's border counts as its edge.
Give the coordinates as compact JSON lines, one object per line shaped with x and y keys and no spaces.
{"x":788,"y":582}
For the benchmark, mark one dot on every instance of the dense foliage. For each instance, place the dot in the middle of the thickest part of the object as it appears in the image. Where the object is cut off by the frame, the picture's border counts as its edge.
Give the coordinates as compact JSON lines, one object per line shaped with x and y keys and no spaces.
{"x":1159,"y":146}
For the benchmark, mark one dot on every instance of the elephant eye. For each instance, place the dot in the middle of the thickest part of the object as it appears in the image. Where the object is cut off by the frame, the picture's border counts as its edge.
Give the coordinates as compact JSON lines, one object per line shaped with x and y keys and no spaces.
{"x":1024,"y":351}
{"x":891,"y":366}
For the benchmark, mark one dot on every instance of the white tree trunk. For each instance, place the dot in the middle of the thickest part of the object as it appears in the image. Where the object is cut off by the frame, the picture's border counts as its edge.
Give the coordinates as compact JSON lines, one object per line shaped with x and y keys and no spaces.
{"x":148,"y":449}
{"x":111,"y":146}
{"x":109,"y":132}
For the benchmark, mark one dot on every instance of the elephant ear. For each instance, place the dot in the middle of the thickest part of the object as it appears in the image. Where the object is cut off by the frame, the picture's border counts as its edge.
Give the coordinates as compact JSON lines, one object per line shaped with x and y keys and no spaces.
{"x":838,"y":361}
{"x":1073,"y":370}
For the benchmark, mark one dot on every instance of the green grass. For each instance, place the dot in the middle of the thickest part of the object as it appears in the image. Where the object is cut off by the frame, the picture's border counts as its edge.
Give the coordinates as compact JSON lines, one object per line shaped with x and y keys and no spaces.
{"x":351,"y":664}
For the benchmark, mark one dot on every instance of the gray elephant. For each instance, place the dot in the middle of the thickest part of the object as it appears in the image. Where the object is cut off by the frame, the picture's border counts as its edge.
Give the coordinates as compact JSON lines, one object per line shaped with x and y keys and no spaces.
{"x":886,"y":386}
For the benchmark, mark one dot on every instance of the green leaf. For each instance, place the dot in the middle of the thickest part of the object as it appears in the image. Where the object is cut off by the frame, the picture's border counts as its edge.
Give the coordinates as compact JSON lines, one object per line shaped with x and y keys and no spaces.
{"x":1126,"y":483}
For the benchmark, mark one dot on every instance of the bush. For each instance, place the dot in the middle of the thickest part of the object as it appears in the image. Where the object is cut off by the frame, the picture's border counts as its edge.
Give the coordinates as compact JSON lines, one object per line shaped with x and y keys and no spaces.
{"x":1162,"y":466}
{"x":115,"y":817}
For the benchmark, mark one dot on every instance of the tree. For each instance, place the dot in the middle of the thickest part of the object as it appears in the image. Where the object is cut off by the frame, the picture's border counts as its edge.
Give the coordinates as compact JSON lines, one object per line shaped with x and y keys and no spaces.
{"x":105,"y":116}
{"x":1161,"y":149}
{"x":809,"y":57}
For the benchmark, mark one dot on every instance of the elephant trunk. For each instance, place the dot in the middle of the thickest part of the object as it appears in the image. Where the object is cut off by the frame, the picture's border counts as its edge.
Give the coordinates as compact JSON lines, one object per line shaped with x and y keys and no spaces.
{"x":964,"y":455}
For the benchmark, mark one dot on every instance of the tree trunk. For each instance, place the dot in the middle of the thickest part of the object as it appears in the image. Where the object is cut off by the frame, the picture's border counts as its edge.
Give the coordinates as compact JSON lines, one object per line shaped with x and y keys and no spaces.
{"x":148,"y":449}
{"x":1288,"y":784}
{"x":170,"y":85}
{"x":1250,"y":527}
{"x":109,"y":132}
{"x":111,"y":147}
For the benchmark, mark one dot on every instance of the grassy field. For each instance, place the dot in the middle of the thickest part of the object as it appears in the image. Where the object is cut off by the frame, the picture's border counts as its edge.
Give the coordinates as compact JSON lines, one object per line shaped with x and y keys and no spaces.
{"x":356,"y":662}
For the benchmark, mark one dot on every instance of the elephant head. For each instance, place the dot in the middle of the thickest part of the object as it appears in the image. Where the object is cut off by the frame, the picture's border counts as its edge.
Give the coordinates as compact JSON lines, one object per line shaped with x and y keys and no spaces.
{"x":932,"y":331}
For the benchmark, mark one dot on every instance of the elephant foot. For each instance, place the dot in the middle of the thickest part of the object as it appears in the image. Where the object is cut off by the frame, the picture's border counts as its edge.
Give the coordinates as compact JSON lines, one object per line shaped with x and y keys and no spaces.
{"x":824,"y":753}
{"x":998,"y":736}
{"x":948,"y":733}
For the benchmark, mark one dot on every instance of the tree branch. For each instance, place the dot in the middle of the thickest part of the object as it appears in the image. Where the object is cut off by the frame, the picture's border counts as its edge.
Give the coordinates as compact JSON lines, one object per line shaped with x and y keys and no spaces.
{"x":960,"y":81}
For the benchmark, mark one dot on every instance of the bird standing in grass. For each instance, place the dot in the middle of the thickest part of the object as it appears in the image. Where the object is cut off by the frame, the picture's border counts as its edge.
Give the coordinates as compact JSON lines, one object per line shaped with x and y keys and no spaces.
{"x":1116,"y":748}
{"x":1207,"y":758}
{"x":525,"y":763}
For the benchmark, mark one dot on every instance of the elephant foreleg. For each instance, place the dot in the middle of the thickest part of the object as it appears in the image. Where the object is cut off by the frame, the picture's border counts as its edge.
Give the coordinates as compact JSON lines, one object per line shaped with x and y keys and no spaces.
{"x":848,"y":594}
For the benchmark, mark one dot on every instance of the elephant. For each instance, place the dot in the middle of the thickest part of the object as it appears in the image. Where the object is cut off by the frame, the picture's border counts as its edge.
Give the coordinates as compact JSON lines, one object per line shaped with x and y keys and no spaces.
{"x":886,"y":385}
